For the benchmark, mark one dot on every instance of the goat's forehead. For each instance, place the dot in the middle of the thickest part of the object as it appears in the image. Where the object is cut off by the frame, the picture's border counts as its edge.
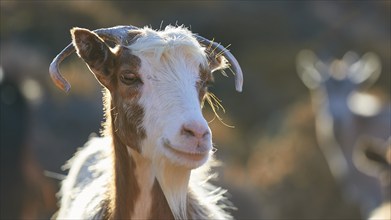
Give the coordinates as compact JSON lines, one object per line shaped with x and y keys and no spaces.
{"x":170,"y":36}
{"x":174,"y":60}
{"x":170,"y":68}
{"x":164,"y":54}
{"x":171,"y":42}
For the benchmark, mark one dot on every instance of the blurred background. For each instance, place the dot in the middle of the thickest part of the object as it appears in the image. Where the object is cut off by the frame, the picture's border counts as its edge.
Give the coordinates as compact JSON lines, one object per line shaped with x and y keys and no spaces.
{"x":273,"y":166}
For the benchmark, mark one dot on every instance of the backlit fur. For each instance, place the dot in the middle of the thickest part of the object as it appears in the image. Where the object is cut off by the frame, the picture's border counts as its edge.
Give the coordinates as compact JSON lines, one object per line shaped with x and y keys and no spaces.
{"x":152,"y":160}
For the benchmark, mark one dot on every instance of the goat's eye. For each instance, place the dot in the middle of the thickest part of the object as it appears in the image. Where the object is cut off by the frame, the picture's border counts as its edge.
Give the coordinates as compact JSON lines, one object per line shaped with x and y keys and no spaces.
{"x":130,"y":78}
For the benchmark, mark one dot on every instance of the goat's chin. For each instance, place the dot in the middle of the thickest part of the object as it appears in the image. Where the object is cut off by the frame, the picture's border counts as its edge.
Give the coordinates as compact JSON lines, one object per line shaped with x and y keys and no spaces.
{"x":183,"y":158}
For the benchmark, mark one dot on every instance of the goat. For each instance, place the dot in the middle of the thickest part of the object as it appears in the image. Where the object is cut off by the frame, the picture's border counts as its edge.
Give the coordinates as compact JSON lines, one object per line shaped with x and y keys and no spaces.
{"x":343,"y":114}
{"x":372,"y":157}
{"x":154,"y":135}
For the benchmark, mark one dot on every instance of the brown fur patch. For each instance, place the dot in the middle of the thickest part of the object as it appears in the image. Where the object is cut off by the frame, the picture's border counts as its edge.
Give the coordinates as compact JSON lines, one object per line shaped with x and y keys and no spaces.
{"x":124,"y":117}
{"x":126,"y":114}
{"x":125,"y":189}
{"x":125,"y":132}
{"x":95,"y":52}
{"x":160,"y":208}
{"x":127,"y":63}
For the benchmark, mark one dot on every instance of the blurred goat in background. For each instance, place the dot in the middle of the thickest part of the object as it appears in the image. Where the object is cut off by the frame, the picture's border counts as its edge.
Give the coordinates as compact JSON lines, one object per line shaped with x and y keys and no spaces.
{"x":344,"y":113}
{"x":25,"y":193}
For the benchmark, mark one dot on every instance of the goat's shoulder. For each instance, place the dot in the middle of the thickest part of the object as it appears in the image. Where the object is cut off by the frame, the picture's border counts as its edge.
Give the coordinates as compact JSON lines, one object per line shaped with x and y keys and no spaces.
{"x":88,"y":178}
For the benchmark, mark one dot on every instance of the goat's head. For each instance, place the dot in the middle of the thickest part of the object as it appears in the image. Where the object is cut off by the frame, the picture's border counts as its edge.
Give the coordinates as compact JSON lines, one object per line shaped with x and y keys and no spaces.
{"x":341,"y":81}
{"x":347,"y":74}
{"x":157,"y":81}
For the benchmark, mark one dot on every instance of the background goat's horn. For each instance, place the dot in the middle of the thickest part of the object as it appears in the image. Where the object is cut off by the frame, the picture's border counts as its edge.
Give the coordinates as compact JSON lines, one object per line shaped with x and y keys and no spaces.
{"x":118,"y":35}
{"x":231,"y":59}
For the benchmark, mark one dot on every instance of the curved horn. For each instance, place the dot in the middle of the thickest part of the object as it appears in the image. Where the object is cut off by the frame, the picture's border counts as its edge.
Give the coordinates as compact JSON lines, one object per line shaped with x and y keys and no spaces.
{"x":231,"y":59}
{"x":117,"y":34}
{"x":54,"y":70}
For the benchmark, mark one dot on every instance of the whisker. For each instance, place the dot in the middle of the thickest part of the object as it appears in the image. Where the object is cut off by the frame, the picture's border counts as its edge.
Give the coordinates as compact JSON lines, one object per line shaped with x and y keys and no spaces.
{"x":215,"y":104}
{"x":223,"y":51}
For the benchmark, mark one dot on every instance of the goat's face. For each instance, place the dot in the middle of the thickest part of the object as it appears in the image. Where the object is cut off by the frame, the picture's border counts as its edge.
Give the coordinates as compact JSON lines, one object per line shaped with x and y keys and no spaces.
{"x":338,"y":79}
{"x":338,"y":76}
{"x":156,"y":85}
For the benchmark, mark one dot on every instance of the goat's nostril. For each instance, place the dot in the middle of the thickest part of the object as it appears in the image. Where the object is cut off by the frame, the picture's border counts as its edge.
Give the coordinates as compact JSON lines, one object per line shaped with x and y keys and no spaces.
{"x":198,"y":132}
{"x":188,"y":132}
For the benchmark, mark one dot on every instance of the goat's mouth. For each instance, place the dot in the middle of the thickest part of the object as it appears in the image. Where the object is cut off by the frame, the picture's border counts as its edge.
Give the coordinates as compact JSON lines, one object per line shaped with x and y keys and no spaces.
{"x":191,"y":156}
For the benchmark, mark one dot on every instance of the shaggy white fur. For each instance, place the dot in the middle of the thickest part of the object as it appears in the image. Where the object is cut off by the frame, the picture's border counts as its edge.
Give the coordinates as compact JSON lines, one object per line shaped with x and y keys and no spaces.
{"x":86,"y":186}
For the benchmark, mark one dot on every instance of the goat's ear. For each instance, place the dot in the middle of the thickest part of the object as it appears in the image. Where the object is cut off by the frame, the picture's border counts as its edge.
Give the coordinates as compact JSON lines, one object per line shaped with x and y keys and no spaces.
{"x":366,"y":70}
{"x":350,"y":57}
{"x":95,"y":52}
{"x":307,"y":64}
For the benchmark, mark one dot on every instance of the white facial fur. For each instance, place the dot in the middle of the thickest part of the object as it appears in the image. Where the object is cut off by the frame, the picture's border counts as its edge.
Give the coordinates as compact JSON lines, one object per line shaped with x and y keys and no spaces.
{"x":170,"y":69}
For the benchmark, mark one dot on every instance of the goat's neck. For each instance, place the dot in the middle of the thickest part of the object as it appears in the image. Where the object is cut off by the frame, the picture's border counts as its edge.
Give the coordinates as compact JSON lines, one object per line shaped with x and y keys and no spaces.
{"x":145,"y":183}
{"x":162,"y":186}
{"x":141,"y":188}
{"x":326,"y":136}
{"x":149,"y":190}
{"x":174,"y":181}
{"x":334,"y":108}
